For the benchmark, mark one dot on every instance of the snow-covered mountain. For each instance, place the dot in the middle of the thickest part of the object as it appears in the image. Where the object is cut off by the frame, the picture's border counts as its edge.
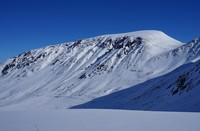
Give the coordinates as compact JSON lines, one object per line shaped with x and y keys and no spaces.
{"x":74,"y":73}
{"x":176,"y":91}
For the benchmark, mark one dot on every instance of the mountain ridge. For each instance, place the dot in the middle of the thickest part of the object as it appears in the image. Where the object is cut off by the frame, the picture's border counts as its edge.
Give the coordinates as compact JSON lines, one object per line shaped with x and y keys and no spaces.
{"x":74,"y":73}
{"x":175,"y":91}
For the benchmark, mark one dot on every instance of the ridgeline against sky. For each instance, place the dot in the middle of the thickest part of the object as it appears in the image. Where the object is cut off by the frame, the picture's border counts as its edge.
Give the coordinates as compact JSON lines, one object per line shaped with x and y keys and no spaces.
{"x":32,"y":24}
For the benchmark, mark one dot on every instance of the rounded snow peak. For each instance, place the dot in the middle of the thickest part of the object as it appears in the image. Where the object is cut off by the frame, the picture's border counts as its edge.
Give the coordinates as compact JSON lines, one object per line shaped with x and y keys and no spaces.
{"x":148,"y":35}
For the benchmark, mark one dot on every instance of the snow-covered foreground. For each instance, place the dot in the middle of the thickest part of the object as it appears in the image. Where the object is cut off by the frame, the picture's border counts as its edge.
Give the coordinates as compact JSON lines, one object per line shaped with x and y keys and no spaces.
{"x":98,"y":120}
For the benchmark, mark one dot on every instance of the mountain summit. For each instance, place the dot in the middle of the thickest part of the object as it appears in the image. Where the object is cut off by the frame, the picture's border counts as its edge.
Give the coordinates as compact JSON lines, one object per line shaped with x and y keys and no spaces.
{"x":74,"y":73}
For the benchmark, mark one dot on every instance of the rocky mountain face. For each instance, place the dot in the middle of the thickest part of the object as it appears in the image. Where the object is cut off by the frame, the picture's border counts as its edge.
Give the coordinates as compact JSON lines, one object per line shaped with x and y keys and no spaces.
{"x":70,"y":74}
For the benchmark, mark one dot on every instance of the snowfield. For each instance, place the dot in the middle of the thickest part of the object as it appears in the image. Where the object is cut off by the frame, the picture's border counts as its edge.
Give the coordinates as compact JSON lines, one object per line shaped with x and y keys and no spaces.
{"x":98,"y":120}
{"x":143,"y":70}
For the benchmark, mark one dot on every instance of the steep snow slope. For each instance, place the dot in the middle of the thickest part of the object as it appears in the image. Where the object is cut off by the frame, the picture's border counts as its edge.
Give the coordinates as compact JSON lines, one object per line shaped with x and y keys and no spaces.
{"x":189,"y":52}
{"x":98,"y":120}
{"x":176,"y":91}
{"x":69,"y":74}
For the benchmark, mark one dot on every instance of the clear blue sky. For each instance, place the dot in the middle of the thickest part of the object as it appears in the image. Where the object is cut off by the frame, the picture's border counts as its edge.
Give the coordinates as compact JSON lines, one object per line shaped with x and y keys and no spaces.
{"x":26,"y":24}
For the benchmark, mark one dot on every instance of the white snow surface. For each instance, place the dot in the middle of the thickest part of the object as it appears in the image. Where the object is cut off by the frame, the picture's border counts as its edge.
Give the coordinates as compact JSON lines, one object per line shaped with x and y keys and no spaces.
{"x":175,"y":91}
{"x":98,"y":120}
{"x":69,"y":74}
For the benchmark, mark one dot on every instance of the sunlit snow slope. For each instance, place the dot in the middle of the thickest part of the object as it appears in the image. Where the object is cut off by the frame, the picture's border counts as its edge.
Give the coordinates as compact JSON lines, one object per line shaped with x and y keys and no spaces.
{"x":176,"y":91}
{"x":74,"y":73}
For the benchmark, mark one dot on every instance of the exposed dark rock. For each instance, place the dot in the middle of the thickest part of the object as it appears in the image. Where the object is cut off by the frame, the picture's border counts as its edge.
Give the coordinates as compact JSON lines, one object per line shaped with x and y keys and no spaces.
{"x":181,"y":84}
{"x":119,"y":55}
{"x":119,"y":43}
{"x":82,"y":76}
{"x":27,"y":53}
{"x":181,"y":81}
{"x":77,"y":43}
{"x":6,"y":68}
{"x":55,"y":61}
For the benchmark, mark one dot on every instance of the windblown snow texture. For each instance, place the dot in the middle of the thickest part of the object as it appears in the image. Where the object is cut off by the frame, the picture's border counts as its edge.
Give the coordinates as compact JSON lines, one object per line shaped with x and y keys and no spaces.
{"x":71,"y":74}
